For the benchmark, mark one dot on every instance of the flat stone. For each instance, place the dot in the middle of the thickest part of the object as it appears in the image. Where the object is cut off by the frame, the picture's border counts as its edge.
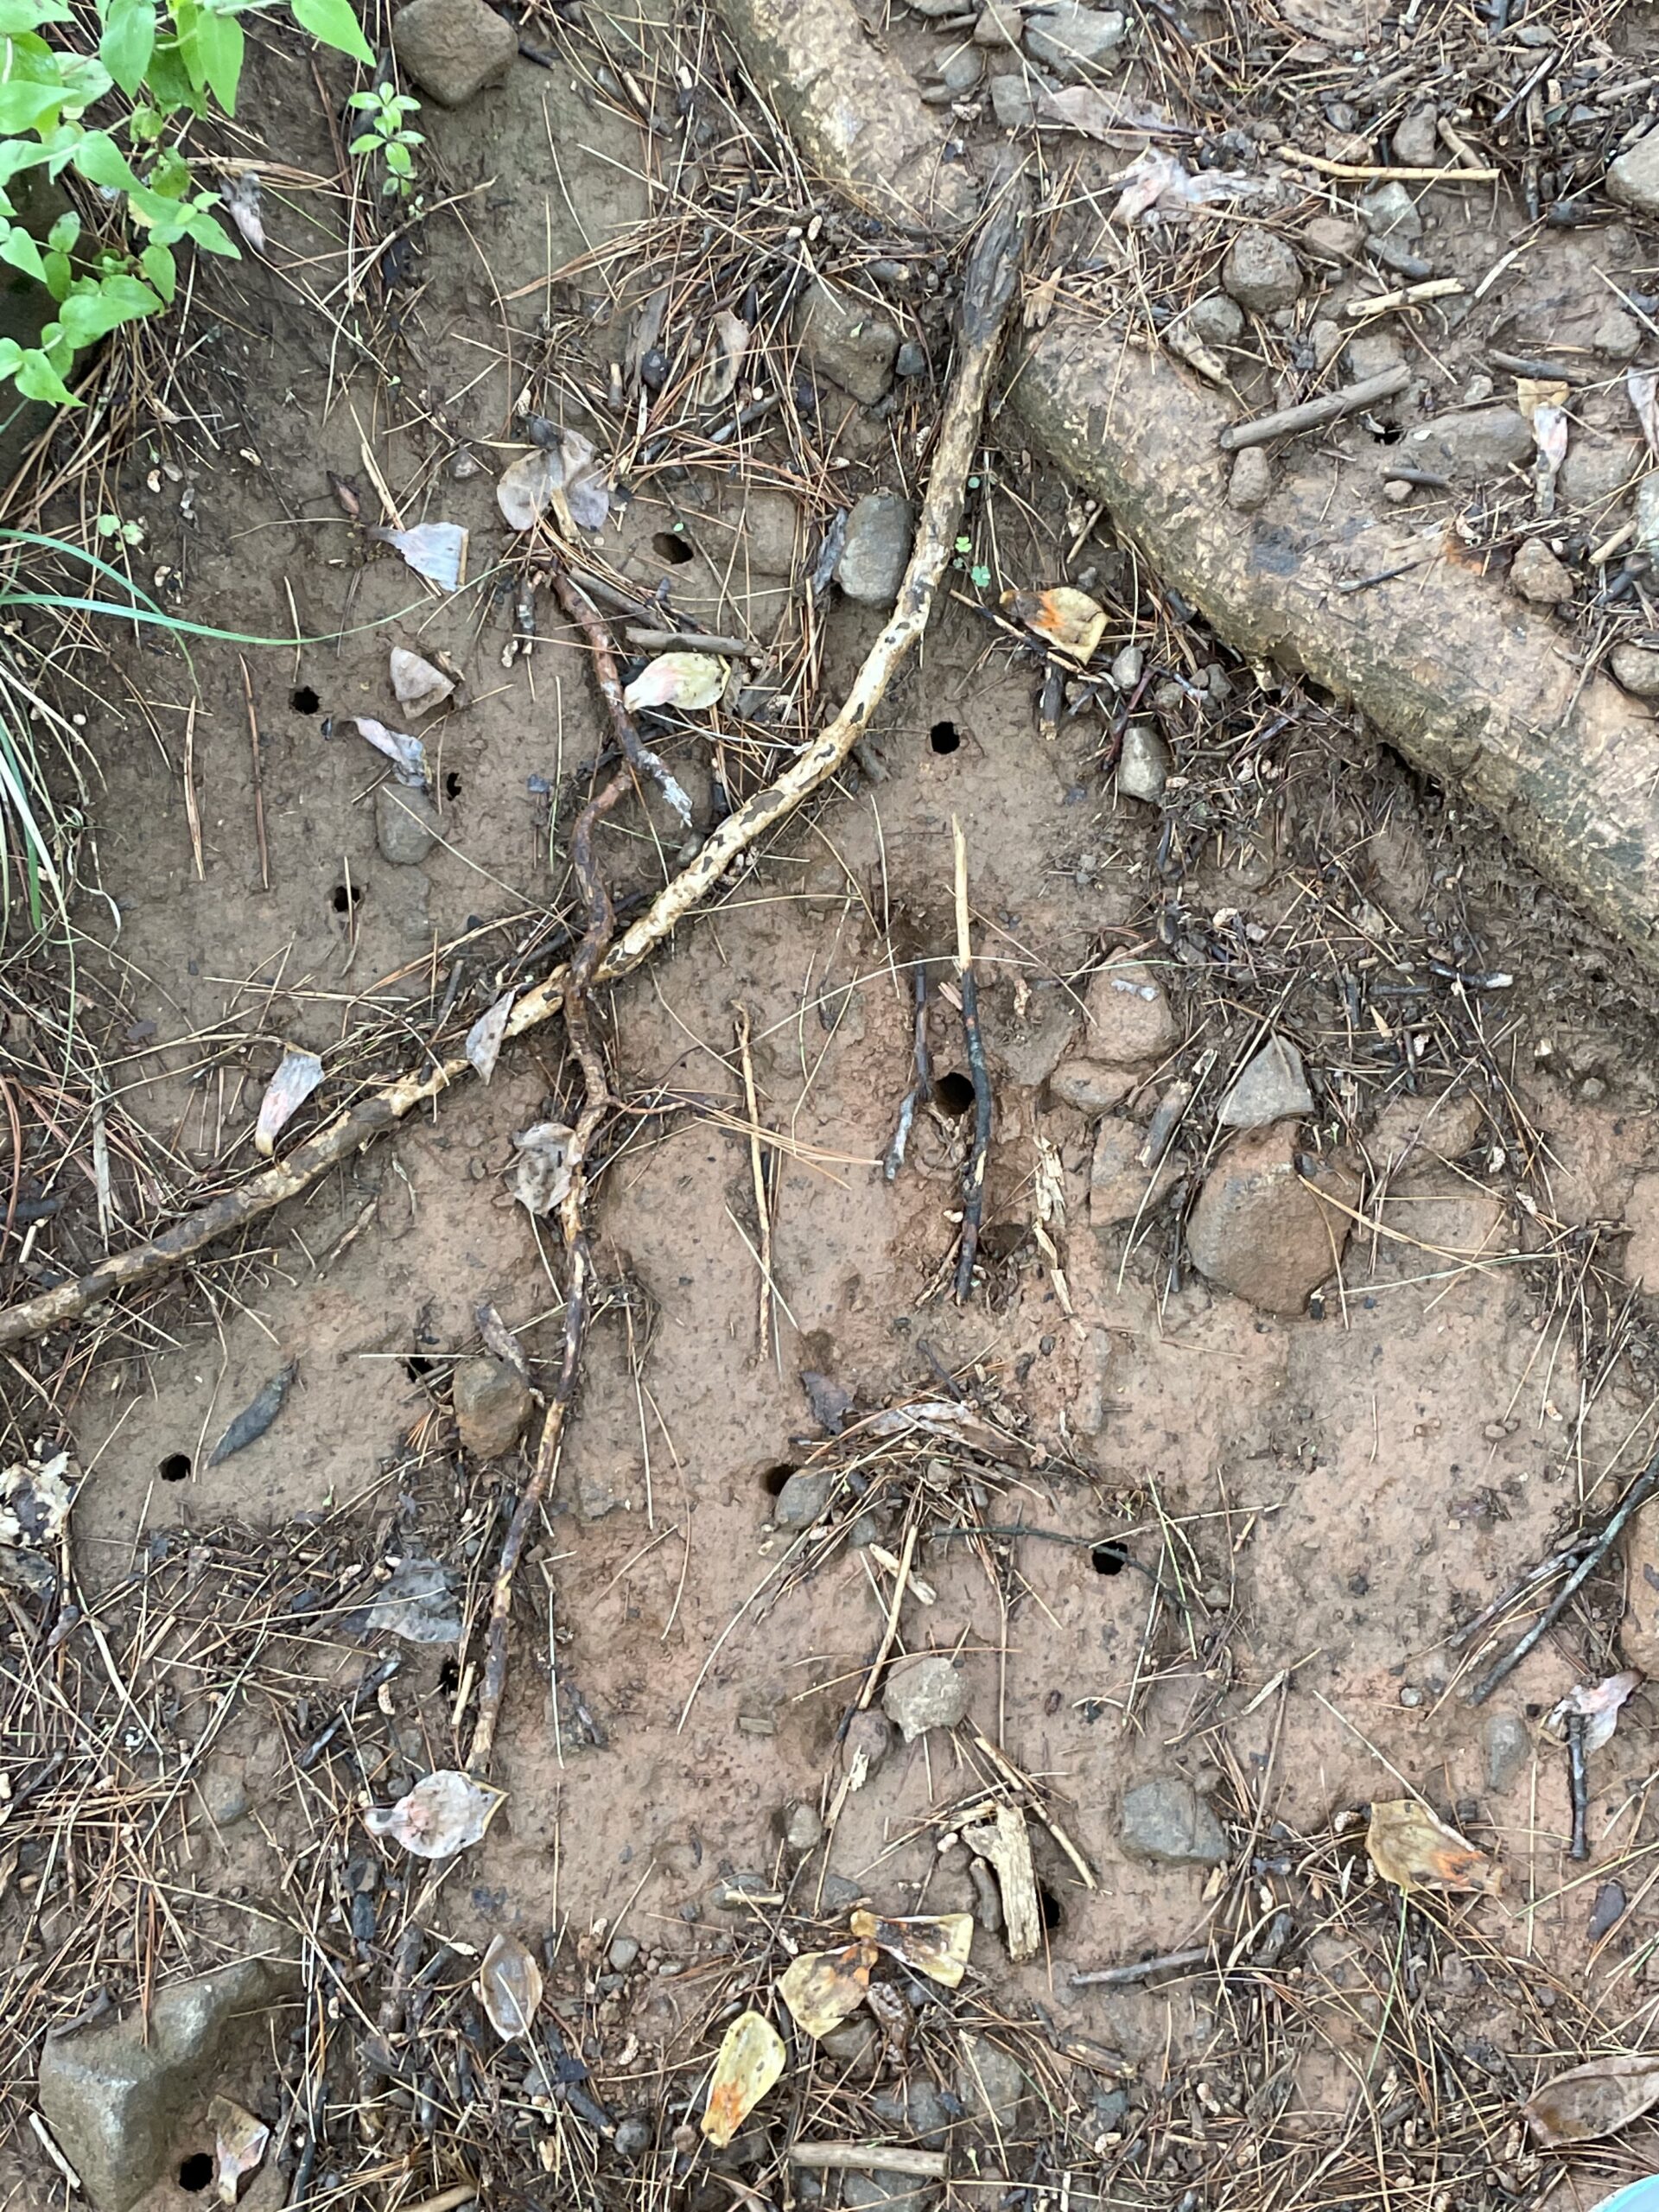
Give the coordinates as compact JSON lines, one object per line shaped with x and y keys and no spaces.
{"x":1617,"y":336}
{"x":916,"y":2111}
{"x":492,"y":1402}
{"x":1372,"y":353}
{"x":1538,"y":576}
{"x":405,"y":824}
{"x":803,"y":1828}
{"x":1119,"y":1187}
{"x":876,"y":549}
{"x":1389,"y":211}
{"x":1638,"y":1634}
{"x":633,"y":2136}
{"x":1260,"y":272}
{"x":1633,"y":179}
{"x":1417,"y":140}
{"x":1012,"y":102}
{"x":1636,"y":667}
{"x":1505,"y":1744}
{"x":1598,"y":469}
{"x":115,"y":2095}
{"x":1641,"y":1246}
{"x":852,"y":2044}
{"x":991,"y":2084}
{"x":1259,"y":1230}
{"x":1027,"y":1049}
{"x":1411,"y":1132}
{"x":1090,"y":1085}
{"x":1215,"y":319}
{"x":885,"y":2191}
{"x":1000,"y":24}
{"x":1334,"y":238}
{"x":803,"y":1497}
{"x":1074,"y":40}
{"x":1129,"y":1018}
{"x":1472,"y":447}
{"x":623,"y":1953}
{"x":1272,"y":1086}
{"x":847,"y":341}
{"x":956,"y":76}
{"x":1166,"y":1821}
{"x":1143,"y":763}
{"x":1249,"y":482}
{"x":866,"y":1743}
{"x":923,"y":1693}
{"x":453,"y":48}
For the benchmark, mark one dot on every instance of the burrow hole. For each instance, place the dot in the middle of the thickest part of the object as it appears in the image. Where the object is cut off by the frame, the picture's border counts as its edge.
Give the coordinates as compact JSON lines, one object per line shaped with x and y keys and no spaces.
{"x":345,"y":896}
{"x":176,"y":1468}
{"x":669,"y":545}
{"x":944,"y":737}
{"x":451,"y":784}
{"x":1108,"y":1559}
{"x":1052,"y":1910}
{"x":954,"y":1093}
{"x":304,"y":699}
{"x":773,"y":1479}
{"x":195,"y":2171}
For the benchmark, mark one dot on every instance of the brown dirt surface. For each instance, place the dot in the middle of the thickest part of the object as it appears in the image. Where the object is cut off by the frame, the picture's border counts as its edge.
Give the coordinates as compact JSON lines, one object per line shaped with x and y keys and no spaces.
{"x":1164,"y":1531}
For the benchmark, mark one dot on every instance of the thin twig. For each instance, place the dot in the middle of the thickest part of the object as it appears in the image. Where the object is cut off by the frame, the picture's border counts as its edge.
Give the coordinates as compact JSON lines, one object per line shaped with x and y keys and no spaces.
{"x":973,"y":1184}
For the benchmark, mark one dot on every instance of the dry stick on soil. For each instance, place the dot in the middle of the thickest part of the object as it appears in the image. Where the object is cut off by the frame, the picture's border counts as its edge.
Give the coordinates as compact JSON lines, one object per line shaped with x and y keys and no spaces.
{"x":988,"y":287}
{"x":1314,"y":414}
{"x":973,"y":1188}
{"x":258,"y":779}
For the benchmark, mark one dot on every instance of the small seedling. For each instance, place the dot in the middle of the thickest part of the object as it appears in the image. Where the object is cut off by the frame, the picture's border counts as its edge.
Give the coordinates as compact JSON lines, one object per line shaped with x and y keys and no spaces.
{"x":387,"y":134}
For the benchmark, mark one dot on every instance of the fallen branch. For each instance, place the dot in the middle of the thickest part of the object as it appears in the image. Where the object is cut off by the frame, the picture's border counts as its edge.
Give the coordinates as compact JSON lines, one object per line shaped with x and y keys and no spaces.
{"x":1314,"y":414}
{"x":989,"y":285}
{"x":869,"y":2158}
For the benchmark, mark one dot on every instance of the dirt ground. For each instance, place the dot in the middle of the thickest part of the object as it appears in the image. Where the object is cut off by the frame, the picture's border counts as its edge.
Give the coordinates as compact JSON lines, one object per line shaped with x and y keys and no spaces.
{"x":1165,"y":1533}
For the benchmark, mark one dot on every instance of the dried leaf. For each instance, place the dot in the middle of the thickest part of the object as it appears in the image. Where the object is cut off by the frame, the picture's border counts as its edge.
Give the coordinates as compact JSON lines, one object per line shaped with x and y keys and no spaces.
{"x":936,"y":1944}
{"x":436,"y":550}
{"x":441,"y":1814}
{"x":1006,"y":1846}
{"x":420,"y":687}
{"x":417,"y":1602}
{"x":1593,"y":2100}
{"x":1412,"y":1849}
{"x":1598,"y":1704}
{"x":483,"y":1046}
{"x":407,"y":754}
{"x":684,"y":680}
{"x":239,"y":2142}
{"x":1533,"y":393}
{"x":1071,"y":622}
{"x":255,"y":1417}
{"x":347,"y":498}
{"x":561,"y":473}
{"x":1641,"y":388}
{"x":729,"y":341}
{"x":751,"y":2059}
{"x":821,"y":1988}
{"x":539,"y":1177}
{"x":241,"y":195}
{"x":953,"y":1424}
{"x":510,"y":1987}
{"x":1147,"y":178}
{"x":36,"y":1496}
{"x":1096,"y":113}
{"x":525,"y":489}
{"x":297,"y":1076}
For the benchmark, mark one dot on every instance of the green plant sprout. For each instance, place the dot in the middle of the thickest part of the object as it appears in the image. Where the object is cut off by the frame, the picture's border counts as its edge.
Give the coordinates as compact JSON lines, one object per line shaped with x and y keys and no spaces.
{"x":129,"y":533}
{"x":387,"y":134}
{"x":171,"y":61}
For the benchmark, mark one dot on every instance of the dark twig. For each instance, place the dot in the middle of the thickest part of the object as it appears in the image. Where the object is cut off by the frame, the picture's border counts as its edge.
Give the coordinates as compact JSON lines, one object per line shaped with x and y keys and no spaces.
{"x":1314,"y":414}
{"x":1143,"y":1970}
{"x":973,"y":1187}
{"x":1578,"y":1784}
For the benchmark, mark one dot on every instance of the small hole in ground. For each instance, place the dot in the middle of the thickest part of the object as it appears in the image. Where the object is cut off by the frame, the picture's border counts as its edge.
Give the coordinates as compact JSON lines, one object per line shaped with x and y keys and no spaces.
{"x":954,"y":1093}
{"x":304,"y":699}
{"x":1108,"y":1559}
{"x":1389,"y":434}
{"x":176,"y":1467}
{"x":195,"y":2171}
{"x":417,"y":1366}
{"x":669,"y":545}
{"x":775,"y":1479}
{"x":449,"y":1677}
{"x":345,"y":896}
{"x":944,"y":737}
{"x":451,"y":784}
{"x":1052,"y":1910}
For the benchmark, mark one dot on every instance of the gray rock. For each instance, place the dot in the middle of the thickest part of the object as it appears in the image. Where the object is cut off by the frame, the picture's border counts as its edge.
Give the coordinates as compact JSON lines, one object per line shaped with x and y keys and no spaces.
{"x":221,"y":1795}
{"x":1334,"y":238}
{"x":1617,"y":336}
{"x":837,"y":1894}
{"x":911,"y":360}
{"x":633,"y":2136}
{"x":1327,"y":338}
{"x":852,"y":2044}
{"x":1389,"y":211}
{"x":917,"y":2111}
{"x":1249,"y":483}
{"x":1129,"y":662}
{"x":1647,"y":514}
{"x":417,"y":1602}
{"x":1260,"y":272}
{"x":1636,"y":667}
{"x":1215,"y":319}
{"x":623,"y":1953}
{"x":876,"y":549}
{"x":1001,"y":22}
{"x":115,"y":2095}
{"x":883,"y":2192}
{"x":1538,"y":576}
{"x":1120,"y":1189}
{"x":923,"y":1693}
{"x":1507,"y":1744}
{"x":1090,"y":1085}
{"x":1417,"y":140}
{"x":847,"y":341}
{"x":1372,"y":353}
{"x":453,"y":48}
{"x":1633,"y":179}
{"x":1397,"y":255}
{"x":1026,"y":1051}
{"x":1259,"y":1230}
{"x":803,"y":1497}
{"x":405,"y":825}
{"x":956,"y":76}
{"x":492,"y":1402}
{"x":1411,"y":1132}
{"x":1012,"y":102}
{"x":1074,"y":40}
{"x":1166,"y":1821}
{"x":1471,"y":448}
{"x":1596,"y":469}
{"x":1129,"y":1016}
{"x":737,"y":1892}
{"x":1271,"y":1087}
{"x":1143,"y":763}
{"x":866,"y":1743}
{"x":803,"y":1828}
{"x":990,"y":2085}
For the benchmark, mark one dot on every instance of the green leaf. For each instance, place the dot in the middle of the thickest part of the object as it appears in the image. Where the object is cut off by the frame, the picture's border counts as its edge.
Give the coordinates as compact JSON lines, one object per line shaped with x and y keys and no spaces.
{"x":11,"y":353}
{"x":59,"y":275}
{"x":218,"y":43}
{"x":167,"y":81}
{"x":93,"y":313}
{"x":63,"y":233}
{"x":38,"y":380}
{"x":21,"y":250}
{"x":158,"y":266}
{"x":100,"y":160}
{"x":19,"y":15}
{"x":334,"y":22}
{"x":129,"y":41}
{"x":25,"y":106}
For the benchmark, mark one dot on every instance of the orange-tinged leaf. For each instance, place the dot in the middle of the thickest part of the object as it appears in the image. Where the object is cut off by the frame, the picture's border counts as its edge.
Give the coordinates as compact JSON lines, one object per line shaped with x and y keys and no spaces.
{"x":1412,"y":1849}
{"x":751,"y":2059}
{"x":821,"y":1988}
{"x":1593,"y":2100}
{"x":1069,"y":621}
{"x":936,"y":1944}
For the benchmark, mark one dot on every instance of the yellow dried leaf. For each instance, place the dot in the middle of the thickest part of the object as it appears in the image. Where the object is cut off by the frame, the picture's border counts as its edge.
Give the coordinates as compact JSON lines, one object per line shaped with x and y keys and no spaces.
{"x":1593,"y":2100}
{"x":751,"y":2059}
{"x":1069,"y":621}
{"x":934,"y":1944}
{"x":822,"y":1987}
{"x":1410,"y":1848}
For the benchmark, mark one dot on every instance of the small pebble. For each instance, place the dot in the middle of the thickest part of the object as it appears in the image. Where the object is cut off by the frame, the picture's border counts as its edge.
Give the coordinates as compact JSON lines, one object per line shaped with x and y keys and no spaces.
{"x":1410,"y":1696}
{"x":1250,"y":484}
